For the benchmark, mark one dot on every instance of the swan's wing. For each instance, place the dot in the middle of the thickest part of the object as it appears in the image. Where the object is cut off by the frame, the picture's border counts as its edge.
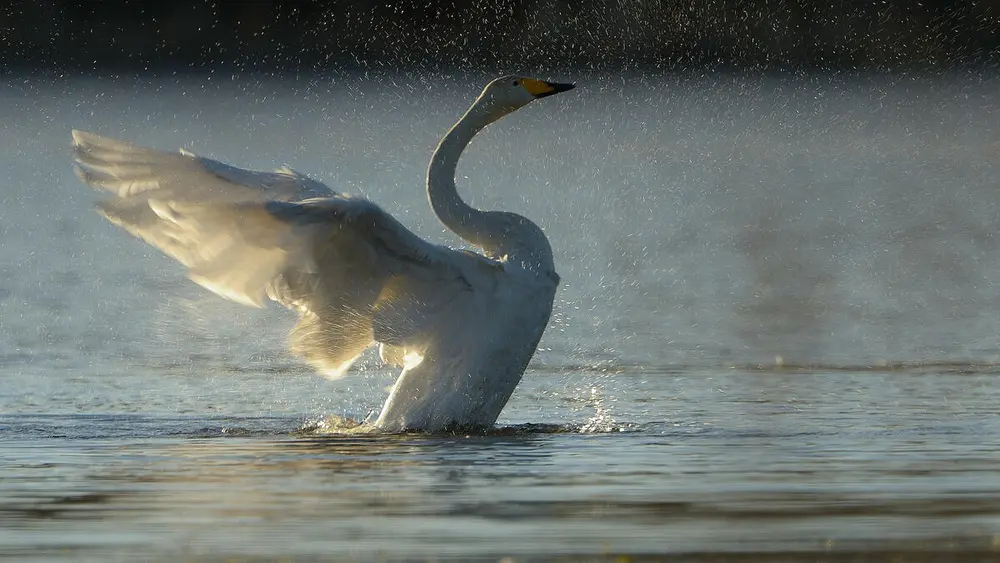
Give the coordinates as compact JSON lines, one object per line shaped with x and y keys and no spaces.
{"x":135,"y":172}
{"x":236,"y":250}
{"x":411,"y":282}
{"x":354,"y":274}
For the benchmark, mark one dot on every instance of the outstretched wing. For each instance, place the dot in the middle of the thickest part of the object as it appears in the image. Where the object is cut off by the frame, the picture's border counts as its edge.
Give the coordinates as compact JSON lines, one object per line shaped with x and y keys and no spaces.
{"x":354,"y":273}
{"x":140,"y":173}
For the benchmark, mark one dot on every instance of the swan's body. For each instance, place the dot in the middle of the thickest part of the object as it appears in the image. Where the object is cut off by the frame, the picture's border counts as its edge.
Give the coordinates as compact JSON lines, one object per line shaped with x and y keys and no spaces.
{"x":462,"y":326}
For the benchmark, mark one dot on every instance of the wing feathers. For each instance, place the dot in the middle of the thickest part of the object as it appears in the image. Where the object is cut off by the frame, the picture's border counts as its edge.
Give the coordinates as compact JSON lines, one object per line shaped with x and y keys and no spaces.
{"x":128,"y":170}
{"x":354,"y":273}
{"x":331,"y":344}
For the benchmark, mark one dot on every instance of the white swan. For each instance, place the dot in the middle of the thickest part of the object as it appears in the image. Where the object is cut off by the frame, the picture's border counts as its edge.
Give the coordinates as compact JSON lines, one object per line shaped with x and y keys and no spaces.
{"x":462,"y":326}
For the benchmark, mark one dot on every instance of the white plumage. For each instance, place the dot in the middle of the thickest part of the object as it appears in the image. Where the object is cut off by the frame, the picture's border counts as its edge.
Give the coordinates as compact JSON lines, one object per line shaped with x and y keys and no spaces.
{"x":463,"y":326}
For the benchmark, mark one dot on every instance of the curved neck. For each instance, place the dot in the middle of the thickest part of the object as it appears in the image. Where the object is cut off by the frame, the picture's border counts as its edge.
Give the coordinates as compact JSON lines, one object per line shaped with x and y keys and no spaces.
{"x":467,"y":222}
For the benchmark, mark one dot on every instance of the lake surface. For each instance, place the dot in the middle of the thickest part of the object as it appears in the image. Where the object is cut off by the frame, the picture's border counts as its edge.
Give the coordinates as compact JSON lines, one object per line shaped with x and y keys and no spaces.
{"x":777,"y":336}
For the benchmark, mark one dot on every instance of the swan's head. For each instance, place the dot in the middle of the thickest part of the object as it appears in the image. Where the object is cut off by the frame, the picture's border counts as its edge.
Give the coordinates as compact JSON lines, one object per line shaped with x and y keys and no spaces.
{"x":510,"y":93}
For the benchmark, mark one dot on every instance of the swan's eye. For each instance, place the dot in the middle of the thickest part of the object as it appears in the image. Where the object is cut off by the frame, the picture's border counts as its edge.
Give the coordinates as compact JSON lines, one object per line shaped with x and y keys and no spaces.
{"x":516,"y":83}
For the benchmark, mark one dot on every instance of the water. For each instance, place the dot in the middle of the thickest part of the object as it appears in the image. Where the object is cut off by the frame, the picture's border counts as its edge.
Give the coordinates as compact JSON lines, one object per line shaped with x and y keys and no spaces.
{"x":776,"y":337}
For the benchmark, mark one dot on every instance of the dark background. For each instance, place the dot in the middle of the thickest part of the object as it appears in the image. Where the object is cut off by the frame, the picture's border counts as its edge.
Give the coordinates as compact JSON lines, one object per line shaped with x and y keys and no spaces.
{"x":301,"y":36}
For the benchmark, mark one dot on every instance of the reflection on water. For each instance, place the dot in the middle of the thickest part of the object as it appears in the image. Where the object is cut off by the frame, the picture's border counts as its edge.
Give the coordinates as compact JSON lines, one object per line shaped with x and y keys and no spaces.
{"x":730,"y":465}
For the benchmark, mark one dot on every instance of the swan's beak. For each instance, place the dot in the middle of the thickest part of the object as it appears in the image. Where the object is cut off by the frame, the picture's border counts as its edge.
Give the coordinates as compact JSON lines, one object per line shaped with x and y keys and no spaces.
{"x":540,"y":88}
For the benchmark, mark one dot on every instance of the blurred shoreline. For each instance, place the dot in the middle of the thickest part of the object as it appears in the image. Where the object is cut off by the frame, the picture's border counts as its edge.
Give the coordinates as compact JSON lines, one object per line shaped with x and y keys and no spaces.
{"x":510,"y":36}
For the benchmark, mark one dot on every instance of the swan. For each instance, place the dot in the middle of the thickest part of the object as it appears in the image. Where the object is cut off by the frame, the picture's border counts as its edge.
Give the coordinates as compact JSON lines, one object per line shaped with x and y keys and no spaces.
{"x":461,"y":325}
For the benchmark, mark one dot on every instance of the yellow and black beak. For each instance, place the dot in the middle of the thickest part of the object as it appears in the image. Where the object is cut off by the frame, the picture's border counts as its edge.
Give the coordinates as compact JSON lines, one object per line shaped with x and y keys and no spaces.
{"x":540,"y":88}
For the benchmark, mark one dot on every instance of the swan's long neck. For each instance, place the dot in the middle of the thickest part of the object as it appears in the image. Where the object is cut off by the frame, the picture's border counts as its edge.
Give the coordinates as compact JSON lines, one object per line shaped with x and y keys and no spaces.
{"x":464,"y":220}
{"x":499,"y":234}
